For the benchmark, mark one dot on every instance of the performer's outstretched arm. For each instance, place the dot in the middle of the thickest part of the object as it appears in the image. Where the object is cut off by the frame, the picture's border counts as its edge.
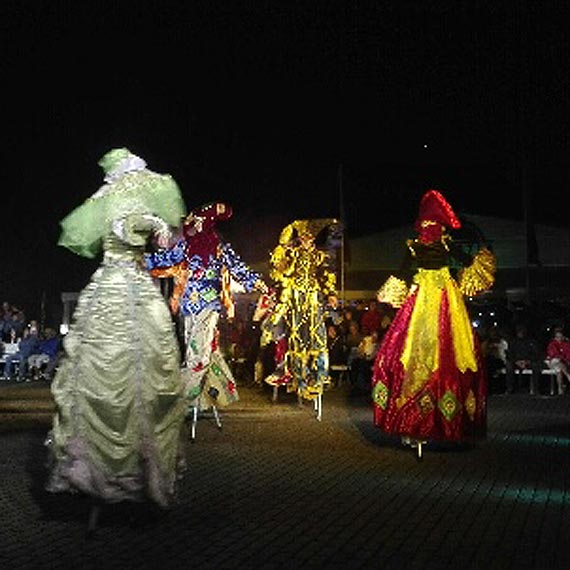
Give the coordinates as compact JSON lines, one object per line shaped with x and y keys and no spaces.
{"x":166,"y":257}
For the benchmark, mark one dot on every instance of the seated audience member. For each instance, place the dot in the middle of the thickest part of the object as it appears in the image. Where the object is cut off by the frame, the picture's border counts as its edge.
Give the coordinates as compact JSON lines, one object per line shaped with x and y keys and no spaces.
{"x":43,"y":364}
{"x":358,"y":310}
{"x":371,"y":319}
{"x":5,"y":321}
{"x":14,"y":328}
{"x":26,"y":347}
{"x":387,"y":318}
{"x":241,"y":353}
{"x":337,"y":352}
{"x":364,"y":361}
{"x":558,"y":357}
{"x":351,"y":341}
{"x":494,"y":349}
{"x":348,"y":317}
{"x":524,"y":354}
{"x":333,"y":311}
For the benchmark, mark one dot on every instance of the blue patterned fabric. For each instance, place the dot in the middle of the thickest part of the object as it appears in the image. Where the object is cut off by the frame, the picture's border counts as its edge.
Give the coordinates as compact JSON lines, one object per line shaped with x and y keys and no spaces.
{"x":166,"y":257}
{"x":204,"y":286}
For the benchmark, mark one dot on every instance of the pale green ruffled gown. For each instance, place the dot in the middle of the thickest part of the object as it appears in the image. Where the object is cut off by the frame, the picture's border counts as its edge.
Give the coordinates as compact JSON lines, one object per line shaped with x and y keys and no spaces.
{"x":117,"y":433}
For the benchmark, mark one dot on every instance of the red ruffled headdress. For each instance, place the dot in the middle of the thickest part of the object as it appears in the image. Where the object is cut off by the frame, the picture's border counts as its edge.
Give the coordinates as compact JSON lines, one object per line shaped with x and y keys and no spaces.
{"x":199,"y":229}
{"x":434,"y":215}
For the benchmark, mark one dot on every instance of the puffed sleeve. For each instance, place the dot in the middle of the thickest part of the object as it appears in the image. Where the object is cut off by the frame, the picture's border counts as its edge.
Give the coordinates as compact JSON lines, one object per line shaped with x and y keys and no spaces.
{"x":238,"y":269}
{"x":135,"y":229}
{"x":479,"y":275}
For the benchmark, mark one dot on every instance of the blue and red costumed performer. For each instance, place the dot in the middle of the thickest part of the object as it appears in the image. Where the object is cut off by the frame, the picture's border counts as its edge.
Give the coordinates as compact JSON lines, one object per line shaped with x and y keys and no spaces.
{"x":201,"y":266}
{"x":429,"y":380}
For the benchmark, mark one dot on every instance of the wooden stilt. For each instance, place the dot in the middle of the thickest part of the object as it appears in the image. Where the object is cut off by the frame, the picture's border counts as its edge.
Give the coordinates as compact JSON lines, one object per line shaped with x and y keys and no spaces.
{"x":217,"y":417}
{"x":418,"y":444}
{"x":93,"y":519}
{"x":194,"y":422}
{"x":318,"y":406}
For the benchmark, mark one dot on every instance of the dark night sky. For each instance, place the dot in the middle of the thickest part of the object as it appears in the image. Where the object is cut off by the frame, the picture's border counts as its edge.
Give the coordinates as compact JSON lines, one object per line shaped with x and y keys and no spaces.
{"x":259,"y":103}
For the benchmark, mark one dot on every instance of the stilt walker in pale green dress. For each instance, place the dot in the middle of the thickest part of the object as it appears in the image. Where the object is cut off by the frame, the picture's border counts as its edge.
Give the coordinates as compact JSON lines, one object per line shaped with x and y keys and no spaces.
{"x":117,"y":430}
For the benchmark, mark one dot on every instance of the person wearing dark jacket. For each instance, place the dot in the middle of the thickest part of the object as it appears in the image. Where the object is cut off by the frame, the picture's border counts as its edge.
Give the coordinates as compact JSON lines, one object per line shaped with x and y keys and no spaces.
{"x":523,"y":353}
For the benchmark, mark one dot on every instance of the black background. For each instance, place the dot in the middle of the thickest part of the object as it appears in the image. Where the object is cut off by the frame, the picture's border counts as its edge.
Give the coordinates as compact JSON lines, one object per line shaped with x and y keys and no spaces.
{"x":259,"y":103}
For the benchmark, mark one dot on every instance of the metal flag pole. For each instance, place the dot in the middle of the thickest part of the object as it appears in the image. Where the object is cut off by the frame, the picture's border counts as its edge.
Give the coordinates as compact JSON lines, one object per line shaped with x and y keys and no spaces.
{"x":342,"y":236}
{"x":43,"y":311}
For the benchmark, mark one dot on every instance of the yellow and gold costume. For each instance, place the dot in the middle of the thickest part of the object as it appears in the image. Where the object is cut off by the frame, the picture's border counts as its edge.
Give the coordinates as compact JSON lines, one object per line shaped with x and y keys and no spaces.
{"x":302,"y":273}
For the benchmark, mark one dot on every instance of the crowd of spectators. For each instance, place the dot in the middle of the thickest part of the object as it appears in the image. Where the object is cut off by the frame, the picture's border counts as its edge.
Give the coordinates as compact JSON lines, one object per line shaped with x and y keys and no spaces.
{"x":354,"y":332}
{"x":28,"y":350}
{"x":510,"y":345}
{"x":526,"y":354}
{"x":512,"y":341}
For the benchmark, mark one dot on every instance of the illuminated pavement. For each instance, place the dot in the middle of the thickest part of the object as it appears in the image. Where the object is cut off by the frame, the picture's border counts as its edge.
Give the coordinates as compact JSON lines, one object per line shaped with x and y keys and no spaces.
{"x":277,"y":489}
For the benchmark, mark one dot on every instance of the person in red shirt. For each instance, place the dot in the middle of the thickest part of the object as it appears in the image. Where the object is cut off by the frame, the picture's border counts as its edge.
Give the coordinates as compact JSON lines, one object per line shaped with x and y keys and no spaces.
{"x":558,"y":357}
{"x":371,"y":319}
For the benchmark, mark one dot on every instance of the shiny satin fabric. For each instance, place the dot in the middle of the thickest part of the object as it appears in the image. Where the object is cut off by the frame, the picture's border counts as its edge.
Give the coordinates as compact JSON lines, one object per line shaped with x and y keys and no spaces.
{"x":303,"y":274}
{"x":117,"y":432}
{"x":206,"y":375}
{"x":307,"y":354}
{"x":429,"y":381}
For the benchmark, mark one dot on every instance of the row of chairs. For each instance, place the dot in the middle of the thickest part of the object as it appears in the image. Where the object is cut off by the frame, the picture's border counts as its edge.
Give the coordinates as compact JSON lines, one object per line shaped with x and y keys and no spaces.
{"x":527,"y":372}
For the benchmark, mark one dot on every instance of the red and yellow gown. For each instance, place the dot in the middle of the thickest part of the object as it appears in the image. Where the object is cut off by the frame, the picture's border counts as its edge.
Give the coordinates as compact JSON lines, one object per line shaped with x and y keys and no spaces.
{"x":429,"y":379}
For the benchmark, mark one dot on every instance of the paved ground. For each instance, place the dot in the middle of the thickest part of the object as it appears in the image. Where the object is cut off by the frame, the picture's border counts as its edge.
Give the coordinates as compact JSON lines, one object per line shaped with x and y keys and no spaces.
{"x":277,"y":489}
